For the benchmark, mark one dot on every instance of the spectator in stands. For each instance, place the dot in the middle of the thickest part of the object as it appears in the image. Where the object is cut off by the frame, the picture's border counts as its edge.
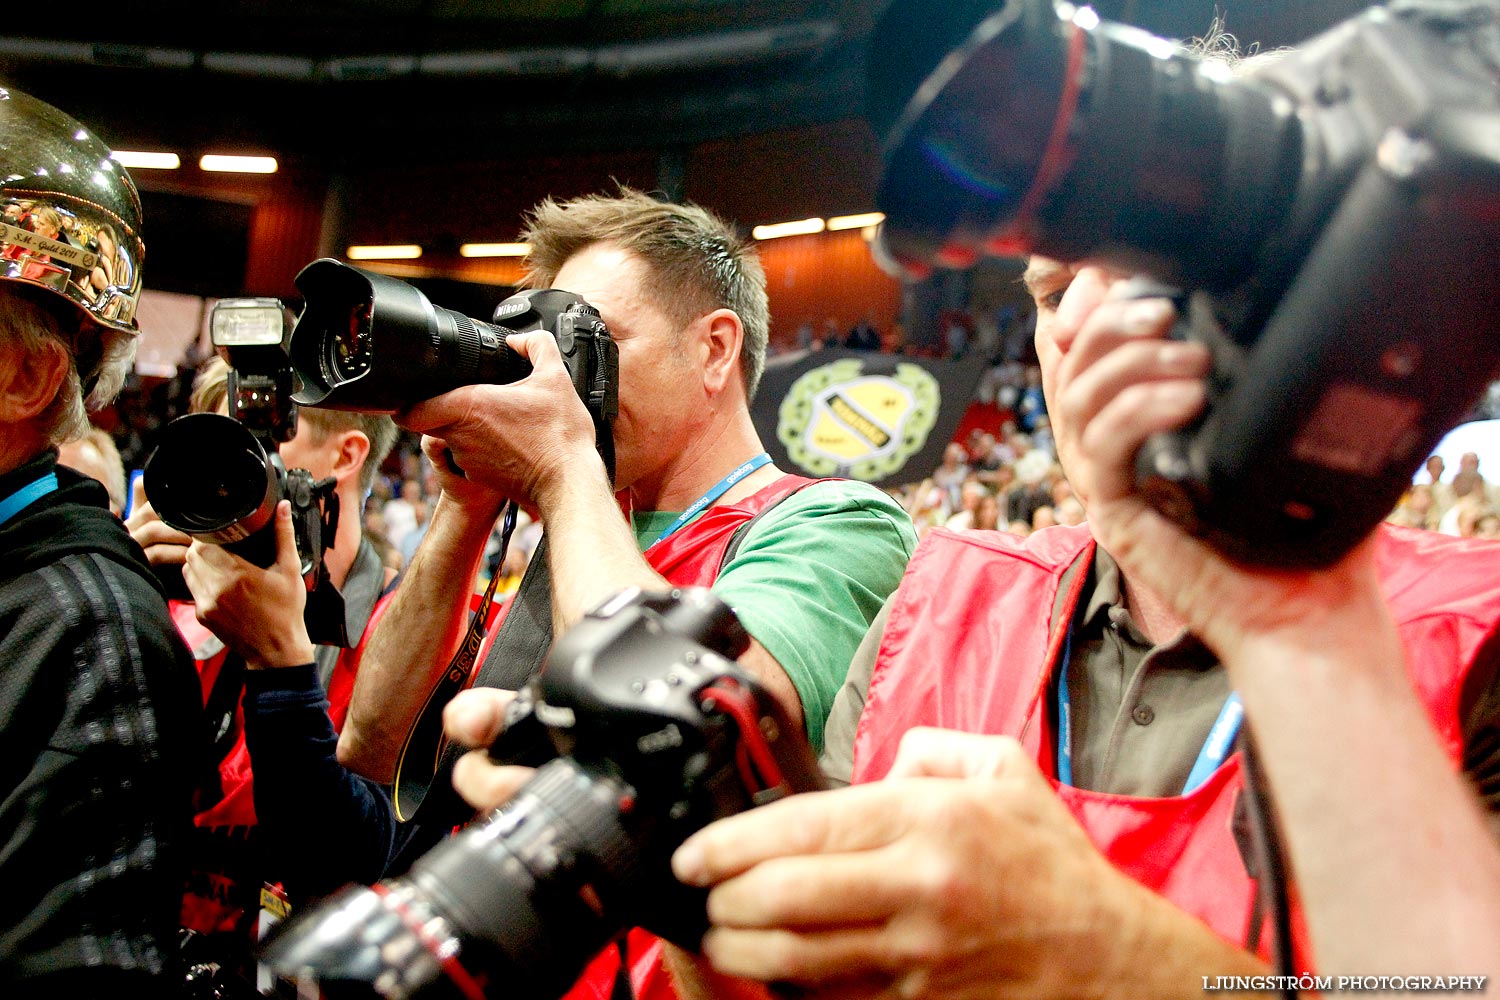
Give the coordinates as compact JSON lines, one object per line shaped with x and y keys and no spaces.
{"x":1416,"y":508}
{"x":1041,"y":435}
{"x":951,"y":473}
{"x":413,"y":538}
{"x":863,"y":336}
{"x":830,"y":336}
{"x":1032,"y":489}
{"x":956,"y":335}
{"x":401,"y":512}
{"x":1469,"y":481}
{"x":1434,"y":467}
{"x":1032,"y":403}
{"x":971,"y":495}
{"x":803,"y":340}
{"x":987,"y":515}
{"x":928,"y":506}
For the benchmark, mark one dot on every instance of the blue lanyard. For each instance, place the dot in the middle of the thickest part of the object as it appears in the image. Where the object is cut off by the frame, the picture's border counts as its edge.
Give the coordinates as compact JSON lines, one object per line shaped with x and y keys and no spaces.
{"x":26,"y":495}
{"x":1215,"y":749}
{"x":714,"y":493}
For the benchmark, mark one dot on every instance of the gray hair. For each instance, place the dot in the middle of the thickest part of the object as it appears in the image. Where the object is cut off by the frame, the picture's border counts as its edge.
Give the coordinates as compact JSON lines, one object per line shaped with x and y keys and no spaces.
{"x":30,"y":322}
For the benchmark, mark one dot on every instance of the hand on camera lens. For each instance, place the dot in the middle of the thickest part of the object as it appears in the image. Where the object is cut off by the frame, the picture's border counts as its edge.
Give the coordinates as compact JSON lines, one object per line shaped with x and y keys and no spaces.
{"x":256,"y":612}
{"x":519,"y":440}
{"x":475,"y":718}
{"x":164,"y":546}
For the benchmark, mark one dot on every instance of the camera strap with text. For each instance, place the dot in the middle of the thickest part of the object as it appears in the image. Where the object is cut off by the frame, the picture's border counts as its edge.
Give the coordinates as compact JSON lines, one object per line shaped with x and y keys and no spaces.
{"x":422,"y":754}
{"x":524,"y":637}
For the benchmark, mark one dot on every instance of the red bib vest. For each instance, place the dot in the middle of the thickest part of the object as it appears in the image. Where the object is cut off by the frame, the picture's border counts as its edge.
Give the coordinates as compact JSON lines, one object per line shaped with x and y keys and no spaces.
{"x":969,"y":646}
{"x":215,"y":902}
{"x":689,"y":557}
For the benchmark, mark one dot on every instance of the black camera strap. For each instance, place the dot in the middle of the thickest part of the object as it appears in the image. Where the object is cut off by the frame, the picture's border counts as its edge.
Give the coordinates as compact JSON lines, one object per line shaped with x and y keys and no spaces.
{"x":525,"y":634}
{"x":426,"y":756}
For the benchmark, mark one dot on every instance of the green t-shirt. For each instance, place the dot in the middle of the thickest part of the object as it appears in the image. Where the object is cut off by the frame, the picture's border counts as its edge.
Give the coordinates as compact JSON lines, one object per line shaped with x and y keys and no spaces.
{"x":808,"y":579}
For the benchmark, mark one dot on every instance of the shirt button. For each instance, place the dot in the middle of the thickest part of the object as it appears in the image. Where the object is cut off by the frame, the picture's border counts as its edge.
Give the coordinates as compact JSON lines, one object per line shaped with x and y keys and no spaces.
{"x":1143,"y":715}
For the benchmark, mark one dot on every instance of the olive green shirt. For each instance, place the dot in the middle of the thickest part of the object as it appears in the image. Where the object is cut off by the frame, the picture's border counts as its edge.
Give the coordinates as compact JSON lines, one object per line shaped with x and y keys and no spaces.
{"x":809,"y":577}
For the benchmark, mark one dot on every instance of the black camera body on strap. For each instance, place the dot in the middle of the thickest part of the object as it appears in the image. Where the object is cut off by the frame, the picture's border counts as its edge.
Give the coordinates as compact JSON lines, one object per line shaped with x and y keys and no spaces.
{"x":653,"y":733}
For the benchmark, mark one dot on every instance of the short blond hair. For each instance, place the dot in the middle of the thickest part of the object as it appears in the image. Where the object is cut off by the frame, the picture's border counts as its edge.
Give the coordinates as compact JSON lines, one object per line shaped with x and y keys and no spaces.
{"x":696,"y":261}
{"x":107,"y":463}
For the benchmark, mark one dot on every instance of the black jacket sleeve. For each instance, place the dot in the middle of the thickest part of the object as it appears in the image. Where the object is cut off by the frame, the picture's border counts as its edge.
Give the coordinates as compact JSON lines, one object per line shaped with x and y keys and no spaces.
{"x":323,"y":825}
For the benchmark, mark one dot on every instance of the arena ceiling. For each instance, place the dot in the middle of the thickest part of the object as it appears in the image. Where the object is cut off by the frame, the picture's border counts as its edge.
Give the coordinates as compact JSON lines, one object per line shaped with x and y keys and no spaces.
{"x":338,"y":81}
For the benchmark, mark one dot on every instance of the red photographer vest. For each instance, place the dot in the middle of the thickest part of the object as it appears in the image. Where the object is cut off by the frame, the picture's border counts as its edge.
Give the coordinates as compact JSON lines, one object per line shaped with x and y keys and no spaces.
{"x":215,"y":902}
{"x":968,"y":646}
{"x":689,"y":557}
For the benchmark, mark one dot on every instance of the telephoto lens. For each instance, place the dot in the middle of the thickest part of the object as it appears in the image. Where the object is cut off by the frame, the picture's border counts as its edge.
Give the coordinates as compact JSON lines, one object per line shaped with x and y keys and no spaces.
{"x":1033,"y":126}
{"x":210,"y":478}
{"x":656,"y":735}
{"x":514,"y":907}
{"x":366,"y":341}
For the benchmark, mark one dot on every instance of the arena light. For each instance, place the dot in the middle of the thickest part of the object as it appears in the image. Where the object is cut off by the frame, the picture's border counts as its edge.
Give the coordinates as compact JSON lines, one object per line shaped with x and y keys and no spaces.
{"x":405,"y":251}
{"x":803,"y":227}
{"x":139,"y":160}
{"x":238,"y":164}
{"x":860,"y":221}
{"x":494,"y":250}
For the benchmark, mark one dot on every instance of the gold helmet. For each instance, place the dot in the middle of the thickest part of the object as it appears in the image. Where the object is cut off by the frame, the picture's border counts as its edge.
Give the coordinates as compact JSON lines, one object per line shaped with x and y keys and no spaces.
{"x":72,"y":216}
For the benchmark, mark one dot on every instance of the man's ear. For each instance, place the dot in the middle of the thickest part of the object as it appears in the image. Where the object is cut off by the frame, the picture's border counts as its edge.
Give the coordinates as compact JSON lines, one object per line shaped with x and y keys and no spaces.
{"x":353,"y":449}
{"x":723,"y":335}
{"x":31,"y":380}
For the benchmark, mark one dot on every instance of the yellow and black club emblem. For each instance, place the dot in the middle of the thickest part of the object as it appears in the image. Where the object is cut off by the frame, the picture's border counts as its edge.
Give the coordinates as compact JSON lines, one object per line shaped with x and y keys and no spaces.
{"x":839,"y":420}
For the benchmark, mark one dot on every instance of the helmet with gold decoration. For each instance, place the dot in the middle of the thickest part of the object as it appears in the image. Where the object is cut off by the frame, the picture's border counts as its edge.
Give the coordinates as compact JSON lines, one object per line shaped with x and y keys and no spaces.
{"x":71,"y":224}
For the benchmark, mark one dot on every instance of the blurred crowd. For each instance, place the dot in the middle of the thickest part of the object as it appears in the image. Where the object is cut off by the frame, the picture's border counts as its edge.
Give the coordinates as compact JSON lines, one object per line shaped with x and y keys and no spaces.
{"x":400,"y":506}
{"x":1462,"y":503}
{"x":1001,"y":472}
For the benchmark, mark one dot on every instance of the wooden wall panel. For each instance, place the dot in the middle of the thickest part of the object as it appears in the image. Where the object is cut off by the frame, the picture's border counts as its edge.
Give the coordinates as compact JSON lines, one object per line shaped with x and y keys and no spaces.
{"x":826,"y":275}
{"x":284,"y":235}
{"x":789,"y":174}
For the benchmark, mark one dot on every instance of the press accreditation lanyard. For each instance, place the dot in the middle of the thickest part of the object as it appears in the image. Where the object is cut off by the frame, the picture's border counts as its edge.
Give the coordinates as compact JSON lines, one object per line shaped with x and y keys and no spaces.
{"x":1215,"y":749}
{"x":714,"y":493}
{"x":26,"y":496}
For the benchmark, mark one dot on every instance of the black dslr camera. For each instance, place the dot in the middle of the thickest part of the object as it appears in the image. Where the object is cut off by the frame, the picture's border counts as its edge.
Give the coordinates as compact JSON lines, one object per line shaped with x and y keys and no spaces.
{"x":219,"y":477}
{"x":366,"y":341}
{"x":1328,"y":219}
{"x":653,"y":733}
{"x":369,"y":342}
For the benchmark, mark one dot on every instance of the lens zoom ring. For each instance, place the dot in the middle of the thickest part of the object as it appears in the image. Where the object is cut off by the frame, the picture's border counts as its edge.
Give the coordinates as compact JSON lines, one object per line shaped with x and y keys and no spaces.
{"x":589,"y":805}
{"x":468,"y":344}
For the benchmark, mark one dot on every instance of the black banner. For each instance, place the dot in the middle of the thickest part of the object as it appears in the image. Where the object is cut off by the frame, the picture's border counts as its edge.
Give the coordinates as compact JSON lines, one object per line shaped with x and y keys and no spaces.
{"x":880,"y":418}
